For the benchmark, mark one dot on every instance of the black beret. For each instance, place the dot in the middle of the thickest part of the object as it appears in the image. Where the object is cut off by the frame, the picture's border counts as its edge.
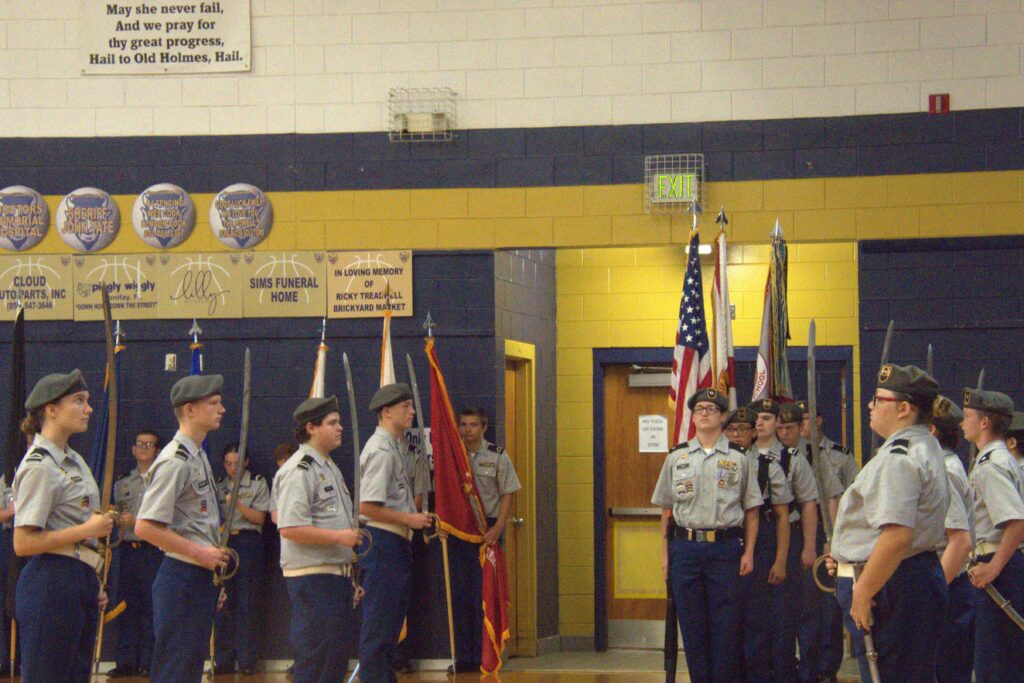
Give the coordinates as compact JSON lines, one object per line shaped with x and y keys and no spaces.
{"x":314,"y":409}
{"x":908,"y":379}
{"x":989,"y":401}
{"x":765,"y":405}
{"x":742,"y":415}
{"x":195,"y":388}
{"x":389,"y":395}
{"x":52,"y":388}
{"x":711,"y":396}
{"x":944,"y":409}
{"x":790,"y":412}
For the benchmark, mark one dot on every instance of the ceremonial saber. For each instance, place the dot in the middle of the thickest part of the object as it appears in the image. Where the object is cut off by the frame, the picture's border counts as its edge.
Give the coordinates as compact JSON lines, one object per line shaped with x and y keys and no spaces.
{"x":997,"y":595}
{"x":870,"y":653}
{"x":930,"y":362}
{"x":885,"y":359}
{"x":972,"y":452}
{"x":353,"y":411}
{"x":818,"y":464}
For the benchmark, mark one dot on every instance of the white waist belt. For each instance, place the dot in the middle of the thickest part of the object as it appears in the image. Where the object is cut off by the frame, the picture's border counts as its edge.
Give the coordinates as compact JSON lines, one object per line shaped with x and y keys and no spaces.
{"x":402,"y":531}
{"x":845,"y":569}
{"x":184,"y":558}
{"x":332,"y":569}
{"x":81,"y":553}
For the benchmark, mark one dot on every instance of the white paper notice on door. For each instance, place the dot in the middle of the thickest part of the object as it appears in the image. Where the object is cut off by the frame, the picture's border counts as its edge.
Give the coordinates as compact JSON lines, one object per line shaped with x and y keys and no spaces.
{"x":653,"y":434}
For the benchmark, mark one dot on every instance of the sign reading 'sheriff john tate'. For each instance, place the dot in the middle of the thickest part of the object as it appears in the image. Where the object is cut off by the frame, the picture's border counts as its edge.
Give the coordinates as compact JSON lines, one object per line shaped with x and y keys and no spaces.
{"x":88,"y":219}
{"x":163,"y":36}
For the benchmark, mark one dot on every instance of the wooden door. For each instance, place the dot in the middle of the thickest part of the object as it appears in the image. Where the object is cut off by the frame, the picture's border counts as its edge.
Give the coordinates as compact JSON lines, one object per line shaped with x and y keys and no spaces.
{"x":635,"y":590}
{"x":511,"y":526}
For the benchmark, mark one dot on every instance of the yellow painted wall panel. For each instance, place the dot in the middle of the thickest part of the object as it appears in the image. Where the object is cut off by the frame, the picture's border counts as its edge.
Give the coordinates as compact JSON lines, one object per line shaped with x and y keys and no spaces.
{"x":449,"y":203}
{"x":596,"y":332}
{"x":465,"y":233}
{"x":887,"y":223}
{"x":640,"y":229}
{"x":575,"y":470}
{"x":639,"y":333}
{"x":574,"y":552}
{"x":659,"y":306}
{"x":576,"y":608}
{"x":753,"y":253}
{"x":1004,"y":219}
{"x":825,"y":224}
{"x":355,"y":234}
{"x":582,"y":280}
{"x":612,"y":200}
{"x":309,"y":235}
{"x":839,"y":303}
{"x":413,"y":234}
{"x":569,"y":629}
{"x":984,"y":188}
{"x":611,"y":256}
{"x":523,"y":232}
{"x":952,"y":219}
{"x":746,"y":331}
{"x":736,"y":196}
{"x":554,"y":201}
{"x":643,"y":279}
{"x":845,"y":332}
{"x":282,"y":238}
{"x":855,"y":193}
{"x":798,"y":329}
{"x":576,"y":583}
{"x":785,"y":195}
{"x":569,"y":307}
{"x":501,"y":202}
{"x":575,"y":362}
{"x":757,"y":226}
{"x":916,"y":190}
{"x":583,"y":230}
{"x":577,"y":444}
{"x":806,"y":276}
{"x":578,"y":414}
{"x":578,"y":524}
{"x":609,"y":306}
{"x":330,"y":206}
{"x":845,"y":252}
{"x":371,"y":204}
{"x":576,"y":388}
{"x":840,"y":275}
{"x":747,"y":277}
{"x":569,"y":258}
{"x":671,"y":255}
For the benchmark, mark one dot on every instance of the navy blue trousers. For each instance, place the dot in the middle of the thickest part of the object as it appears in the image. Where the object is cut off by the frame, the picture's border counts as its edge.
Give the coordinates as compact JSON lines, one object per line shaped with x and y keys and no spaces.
{"x":956,"y":652}
{"x":820,"y":633}
{"x":787,"y":603}
{"x":235,"y":625}
{"x":6,"y":553}
{"x":323,"y":627}
{"x":386,"y":574}
{"x":998,"y":644}
{"x":467,"y":600}
{"x":909,"y":615}
{"x":758,"y":619}
{"x":184,"y":599}
{"x":57,"y":615}
{"x":139,"y":562}
{"x":707,"y":590}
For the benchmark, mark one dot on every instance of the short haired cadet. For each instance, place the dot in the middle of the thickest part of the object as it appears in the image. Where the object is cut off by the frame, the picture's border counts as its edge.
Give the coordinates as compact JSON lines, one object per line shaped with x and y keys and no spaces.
{"x":386,"y":501}
{"x":497,"y":482}
{"x":316,"y":519}
{"x":999,"y":524}
{"x":708,"y":493}
{"x":956,"y":651}
{"x":889,"y":523}
{"x":235,"y":625}
{"x":179,"y":514}
{"x":139,"y":563}
{"x":58,"y":593}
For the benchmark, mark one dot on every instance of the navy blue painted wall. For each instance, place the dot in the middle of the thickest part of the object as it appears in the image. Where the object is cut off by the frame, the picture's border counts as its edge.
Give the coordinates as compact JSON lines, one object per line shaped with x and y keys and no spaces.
{"x":972,"y":140}
{"x":963,"y":296}
{"x":456,"y":287}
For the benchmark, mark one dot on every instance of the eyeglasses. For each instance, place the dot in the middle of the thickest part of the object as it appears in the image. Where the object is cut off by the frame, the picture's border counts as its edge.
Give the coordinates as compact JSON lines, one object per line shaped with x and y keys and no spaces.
{"x":146,"y":444}
{"x":888,"y":399}
{"x":707,"y":410}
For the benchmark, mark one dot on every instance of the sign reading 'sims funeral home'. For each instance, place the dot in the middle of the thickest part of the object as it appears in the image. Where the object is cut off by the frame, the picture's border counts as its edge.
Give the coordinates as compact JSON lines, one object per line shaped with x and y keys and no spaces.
{"x":364,"y":284}
{"x":163,"y":36}
{"x":289,"y":285}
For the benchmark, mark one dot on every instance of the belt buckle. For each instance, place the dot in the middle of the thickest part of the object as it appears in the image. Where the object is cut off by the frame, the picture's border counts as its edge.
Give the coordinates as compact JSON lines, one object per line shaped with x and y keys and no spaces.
{"x":710,"y":536}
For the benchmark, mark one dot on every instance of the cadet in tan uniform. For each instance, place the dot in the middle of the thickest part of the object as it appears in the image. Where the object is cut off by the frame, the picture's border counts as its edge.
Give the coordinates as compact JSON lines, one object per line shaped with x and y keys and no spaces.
{"x":956,"y":652}
{"x":496,"y":481}
{"x":890,"y":521}
{"x":999,"y":523}
{"x":708,"y":493}
{"x":179,"y":515}
{"x":317,"y":536}
{"x":58,"y":594}
{"x":235,"y":623}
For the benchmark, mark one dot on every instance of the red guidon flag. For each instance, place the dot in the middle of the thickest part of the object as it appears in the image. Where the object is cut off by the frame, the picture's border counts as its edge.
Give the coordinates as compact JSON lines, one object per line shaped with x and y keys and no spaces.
{"x":457,"y":503}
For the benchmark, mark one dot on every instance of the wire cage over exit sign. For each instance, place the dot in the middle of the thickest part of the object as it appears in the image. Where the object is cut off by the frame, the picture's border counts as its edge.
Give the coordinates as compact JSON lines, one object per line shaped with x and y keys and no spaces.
{"x":672,"y":182}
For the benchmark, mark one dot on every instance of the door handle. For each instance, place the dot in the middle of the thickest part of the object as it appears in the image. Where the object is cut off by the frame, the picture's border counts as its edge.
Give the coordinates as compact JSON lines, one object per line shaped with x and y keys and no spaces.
{"x":518,"y":521}
{"x":634,"y":512}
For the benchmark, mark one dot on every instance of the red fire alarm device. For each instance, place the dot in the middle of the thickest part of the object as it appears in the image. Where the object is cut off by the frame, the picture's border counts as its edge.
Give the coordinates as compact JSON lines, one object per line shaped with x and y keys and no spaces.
{"x":938,"y":104}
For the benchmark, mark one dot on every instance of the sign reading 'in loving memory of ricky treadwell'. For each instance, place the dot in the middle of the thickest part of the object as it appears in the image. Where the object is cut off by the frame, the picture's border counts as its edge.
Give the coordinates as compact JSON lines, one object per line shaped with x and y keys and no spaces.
{"x":163,"y":36}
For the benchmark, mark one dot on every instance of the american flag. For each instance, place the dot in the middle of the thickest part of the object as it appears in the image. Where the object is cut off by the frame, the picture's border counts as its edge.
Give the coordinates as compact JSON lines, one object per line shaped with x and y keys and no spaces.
{"x":691,"y":362}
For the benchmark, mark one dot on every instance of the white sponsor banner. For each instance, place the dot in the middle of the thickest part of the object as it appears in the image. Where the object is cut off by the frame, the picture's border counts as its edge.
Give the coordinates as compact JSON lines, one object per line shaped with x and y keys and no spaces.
{"x":163,"y":36}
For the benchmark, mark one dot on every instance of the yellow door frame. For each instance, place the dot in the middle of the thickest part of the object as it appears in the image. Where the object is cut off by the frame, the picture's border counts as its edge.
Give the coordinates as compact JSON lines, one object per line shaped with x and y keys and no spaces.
{"x":524,"y":356}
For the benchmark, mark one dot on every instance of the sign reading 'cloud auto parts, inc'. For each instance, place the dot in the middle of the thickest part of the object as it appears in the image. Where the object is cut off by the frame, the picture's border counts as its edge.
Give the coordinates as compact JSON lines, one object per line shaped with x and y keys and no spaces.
{"x":163,"y":36}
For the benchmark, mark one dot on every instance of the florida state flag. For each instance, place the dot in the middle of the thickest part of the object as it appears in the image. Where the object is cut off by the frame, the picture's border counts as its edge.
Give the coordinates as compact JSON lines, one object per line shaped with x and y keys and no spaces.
{"x":457,"y":503}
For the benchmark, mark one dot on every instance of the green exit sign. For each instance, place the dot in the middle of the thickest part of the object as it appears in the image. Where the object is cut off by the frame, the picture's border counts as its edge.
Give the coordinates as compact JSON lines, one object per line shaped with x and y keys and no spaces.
{"x":674,"y":187}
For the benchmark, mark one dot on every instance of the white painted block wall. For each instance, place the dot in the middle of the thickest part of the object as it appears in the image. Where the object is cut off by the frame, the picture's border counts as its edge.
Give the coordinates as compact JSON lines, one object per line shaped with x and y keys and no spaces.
{"x":327,"y":65}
